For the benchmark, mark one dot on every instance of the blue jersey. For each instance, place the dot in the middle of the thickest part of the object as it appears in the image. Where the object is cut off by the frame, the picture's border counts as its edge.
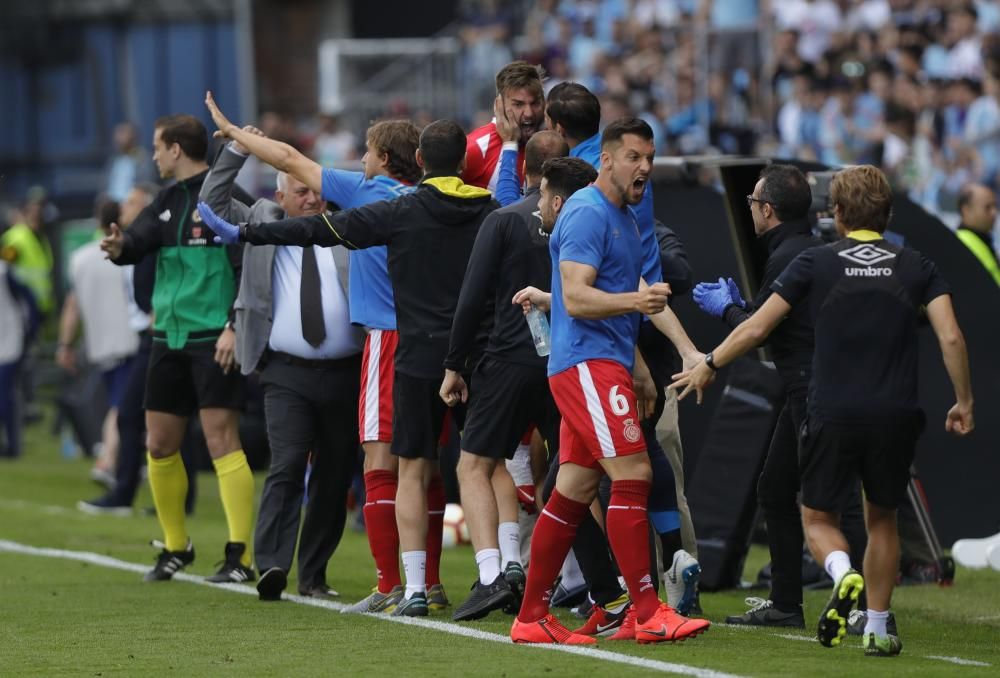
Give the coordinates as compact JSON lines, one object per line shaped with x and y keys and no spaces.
{"x":592,"y":231}
{"x":652,"y":270}
{"x":370,"y":292}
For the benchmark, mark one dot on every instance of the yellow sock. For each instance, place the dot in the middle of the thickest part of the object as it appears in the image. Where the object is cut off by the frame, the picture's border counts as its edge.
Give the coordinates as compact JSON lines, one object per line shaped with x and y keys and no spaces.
{"x":169,"y":484}
{"x":236,"y":492}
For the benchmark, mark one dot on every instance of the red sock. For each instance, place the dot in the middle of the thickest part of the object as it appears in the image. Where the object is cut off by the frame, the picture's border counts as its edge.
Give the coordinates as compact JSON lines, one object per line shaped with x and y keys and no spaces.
{"x":380,"y":522}
{"x":628,"y":534}
{"x":550,"y":542}
{"x":435,"y":528}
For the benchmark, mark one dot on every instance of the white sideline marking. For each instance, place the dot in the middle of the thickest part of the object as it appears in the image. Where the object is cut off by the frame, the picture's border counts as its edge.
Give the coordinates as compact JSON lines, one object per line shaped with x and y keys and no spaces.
{"x":41,"y":508}
{"x":959,"y":661}
{"x":792,"y":636}
{"x":454,"y":629}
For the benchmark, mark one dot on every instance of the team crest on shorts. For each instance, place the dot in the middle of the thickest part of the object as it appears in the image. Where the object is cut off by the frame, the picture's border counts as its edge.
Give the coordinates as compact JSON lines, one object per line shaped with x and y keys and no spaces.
{"x":632,"y":431}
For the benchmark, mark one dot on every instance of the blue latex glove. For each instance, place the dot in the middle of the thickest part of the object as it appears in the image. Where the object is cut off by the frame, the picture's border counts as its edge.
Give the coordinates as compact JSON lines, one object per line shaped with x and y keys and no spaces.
{"x":734,"y":292}
{"x":713,"y":298}
{"x":225,"y":232}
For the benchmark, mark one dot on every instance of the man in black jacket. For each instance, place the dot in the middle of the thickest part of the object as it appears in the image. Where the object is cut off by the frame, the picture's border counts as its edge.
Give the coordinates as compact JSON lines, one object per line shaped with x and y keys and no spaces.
{"x":429,"y":233}
{"x":779,"y":206}
{"x":511,"y":386}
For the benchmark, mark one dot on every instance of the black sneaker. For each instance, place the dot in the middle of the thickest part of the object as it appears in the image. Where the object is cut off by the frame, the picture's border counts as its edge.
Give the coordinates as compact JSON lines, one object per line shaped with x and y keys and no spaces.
{"x":414,"y":606}
{"x":764,"y":613}
{"x":564,"y":597}
{"x":271,"y":584}
{"x":858,"y":619}
{"x":232,"y":570}
{"x":484,"y":599}
{"x":104,"y":506}
{"x":168,"y":563}
{"x":516,"y":580}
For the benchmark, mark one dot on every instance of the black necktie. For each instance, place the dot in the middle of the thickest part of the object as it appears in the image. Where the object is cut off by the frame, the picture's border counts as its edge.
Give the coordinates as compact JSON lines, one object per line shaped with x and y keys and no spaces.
{"x":311,"y":300}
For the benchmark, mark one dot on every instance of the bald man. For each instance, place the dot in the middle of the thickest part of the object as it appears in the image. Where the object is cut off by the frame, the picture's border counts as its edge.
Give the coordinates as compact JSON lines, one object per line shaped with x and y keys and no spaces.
{"x":977,"y":205}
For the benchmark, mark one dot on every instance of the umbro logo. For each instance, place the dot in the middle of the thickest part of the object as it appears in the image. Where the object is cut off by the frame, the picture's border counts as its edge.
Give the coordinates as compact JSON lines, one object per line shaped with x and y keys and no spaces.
{"x":165,"y":215}
{"x":867,"y":254}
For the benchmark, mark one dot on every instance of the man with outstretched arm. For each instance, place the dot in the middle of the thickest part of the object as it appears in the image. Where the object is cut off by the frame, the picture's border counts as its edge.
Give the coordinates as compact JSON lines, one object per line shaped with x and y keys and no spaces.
{"x":389,"y":170}
{"x":429,"y":234}
{"x":866,"y":297}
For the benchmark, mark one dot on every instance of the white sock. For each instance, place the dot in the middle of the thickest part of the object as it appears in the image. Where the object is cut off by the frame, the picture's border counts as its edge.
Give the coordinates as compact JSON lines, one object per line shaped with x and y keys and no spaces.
{"x":572,"y":577}
{"x":837,"y":564}
{"x":876,"y":622}
{"x":415,"y":568}
{"x":519,"y":467}
{"x":488,"y":561}
{"x":510,"y":543}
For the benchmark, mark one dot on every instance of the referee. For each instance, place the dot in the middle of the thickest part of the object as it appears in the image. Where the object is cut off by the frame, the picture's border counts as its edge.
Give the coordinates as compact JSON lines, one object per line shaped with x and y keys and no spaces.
{"x":866,"y":297}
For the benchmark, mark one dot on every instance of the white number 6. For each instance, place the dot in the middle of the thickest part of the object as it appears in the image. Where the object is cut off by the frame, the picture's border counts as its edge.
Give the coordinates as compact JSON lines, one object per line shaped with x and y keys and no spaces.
{"x":618,"y":402}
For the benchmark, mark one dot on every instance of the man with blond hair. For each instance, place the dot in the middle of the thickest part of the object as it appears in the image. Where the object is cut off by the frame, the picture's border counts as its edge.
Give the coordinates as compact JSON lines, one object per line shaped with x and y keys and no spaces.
{"x":866,"y":297}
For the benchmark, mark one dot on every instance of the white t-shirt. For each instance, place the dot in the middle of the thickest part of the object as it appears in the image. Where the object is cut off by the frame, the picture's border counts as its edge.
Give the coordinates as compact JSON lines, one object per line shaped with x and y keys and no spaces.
{"x":103,"y":302}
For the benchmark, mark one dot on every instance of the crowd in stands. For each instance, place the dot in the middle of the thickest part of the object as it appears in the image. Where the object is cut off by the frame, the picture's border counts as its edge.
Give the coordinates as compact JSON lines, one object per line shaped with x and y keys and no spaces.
{"x":906,"y":84}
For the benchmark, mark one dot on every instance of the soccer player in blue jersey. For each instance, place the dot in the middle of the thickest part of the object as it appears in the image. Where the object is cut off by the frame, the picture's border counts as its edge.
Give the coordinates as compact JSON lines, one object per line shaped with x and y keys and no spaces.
{"x":390,"y":170}
{"x":598,"y":296}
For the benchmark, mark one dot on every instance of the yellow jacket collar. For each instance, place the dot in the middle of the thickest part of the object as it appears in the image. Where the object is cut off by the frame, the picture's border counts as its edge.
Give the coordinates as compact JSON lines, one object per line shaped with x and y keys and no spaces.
{"x":864,"y":235}
{"x":454,"y":186}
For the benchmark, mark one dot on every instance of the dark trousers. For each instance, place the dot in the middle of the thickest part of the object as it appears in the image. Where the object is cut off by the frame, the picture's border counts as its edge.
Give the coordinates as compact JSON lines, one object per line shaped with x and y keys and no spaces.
{"x":308,"y":410}
{"x":10,"y":417}
{"x":132,"y":435}
{"x":777,"y":494}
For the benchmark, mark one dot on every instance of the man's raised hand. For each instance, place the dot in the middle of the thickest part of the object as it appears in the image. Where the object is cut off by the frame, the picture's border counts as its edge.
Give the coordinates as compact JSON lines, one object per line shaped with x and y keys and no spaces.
{"x":112,"y":243}
{"x":225,"y":232}
{"x":506,"y":121}
{"x":220,"y":120}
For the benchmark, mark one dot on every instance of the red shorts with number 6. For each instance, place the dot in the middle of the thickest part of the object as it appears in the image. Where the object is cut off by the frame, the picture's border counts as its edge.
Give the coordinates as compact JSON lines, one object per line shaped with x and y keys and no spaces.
{"x":599,"y":416}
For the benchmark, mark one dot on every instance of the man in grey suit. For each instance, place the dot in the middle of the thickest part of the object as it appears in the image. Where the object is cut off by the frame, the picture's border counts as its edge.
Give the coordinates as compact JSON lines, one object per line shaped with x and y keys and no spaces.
{"x":292,"y":325}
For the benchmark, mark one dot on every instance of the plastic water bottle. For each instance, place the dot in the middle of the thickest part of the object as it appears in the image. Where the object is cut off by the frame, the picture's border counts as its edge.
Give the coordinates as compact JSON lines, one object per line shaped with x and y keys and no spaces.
{"x":539,"y":326}
{"x":67,"y":445}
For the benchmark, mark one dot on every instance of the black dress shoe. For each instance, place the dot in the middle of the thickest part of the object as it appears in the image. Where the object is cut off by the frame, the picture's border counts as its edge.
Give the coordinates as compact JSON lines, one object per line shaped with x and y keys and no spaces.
{"x":271,"y":584}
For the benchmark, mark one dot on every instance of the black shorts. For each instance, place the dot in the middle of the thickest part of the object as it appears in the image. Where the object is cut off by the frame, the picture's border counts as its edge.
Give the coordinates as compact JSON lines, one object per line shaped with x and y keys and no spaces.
{"x":506,"y":400}
{"x":419,"y":416}
{"x":833,"y":456}
{"x":185,"y":380}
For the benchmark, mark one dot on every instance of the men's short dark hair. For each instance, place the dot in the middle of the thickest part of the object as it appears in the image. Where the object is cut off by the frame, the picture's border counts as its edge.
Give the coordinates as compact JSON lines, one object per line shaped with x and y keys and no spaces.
{"x":787,"y":190}
{"x":566,"y":176}
{"x":186,"y":131}
{"x":575,"y":107}
{"x":614,"y":132}
{"x":398,"y":139}
{"x":520,"y":74}
{"x":543,"y":146}
{"x":442,"y":146}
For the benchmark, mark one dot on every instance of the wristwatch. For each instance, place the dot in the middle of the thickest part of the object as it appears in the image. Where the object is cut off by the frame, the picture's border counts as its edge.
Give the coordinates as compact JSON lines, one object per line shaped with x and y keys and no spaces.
{"x":230,"y":325}
{"x":710,"y":361}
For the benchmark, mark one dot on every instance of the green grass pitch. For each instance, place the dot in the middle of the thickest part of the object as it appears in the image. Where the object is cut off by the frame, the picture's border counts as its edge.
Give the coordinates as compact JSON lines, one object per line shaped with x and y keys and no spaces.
{"x":65,"y":617}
